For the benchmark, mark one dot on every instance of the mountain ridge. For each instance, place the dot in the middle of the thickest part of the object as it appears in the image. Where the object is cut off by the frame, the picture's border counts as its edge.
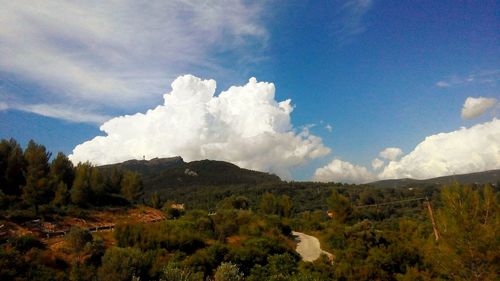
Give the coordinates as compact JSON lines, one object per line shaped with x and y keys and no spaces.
{"x":490,"y":176}
{"x":161,"y":173}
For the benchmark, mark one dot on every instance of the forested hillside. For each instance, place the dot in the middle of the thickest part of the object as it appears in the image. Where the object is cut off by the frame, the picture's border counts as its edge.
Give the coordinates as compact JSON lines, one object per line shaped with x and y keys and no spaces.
{"x":65,"y":222}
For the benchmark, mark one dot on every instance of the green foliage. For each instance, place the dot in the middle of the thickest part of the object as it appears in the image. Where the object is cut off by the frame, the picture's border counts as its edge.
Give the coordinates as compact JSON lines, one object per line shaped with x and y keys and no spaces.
{"x":37,"y":189}
{"x":81,"y":190}
{"x":131,"y":186}
{"x":121,"y":264}
{"x":340,"y":206}
{"x":78,"y":238}
{"x":169,"y":235}
{"x":62,"y":195}
{"x":12,"y":166}
{"x":234,"y":202}
{"x":155,"y":201}
{"x":62,"y":170}
{"x":228,"y":272}
{"x":82,"y":272}
{"x":274,"y":205}
{"x":278,"y":267}
{"x":25,"y":243}
{"x":469,"y":228}
{"x":173,"y":272}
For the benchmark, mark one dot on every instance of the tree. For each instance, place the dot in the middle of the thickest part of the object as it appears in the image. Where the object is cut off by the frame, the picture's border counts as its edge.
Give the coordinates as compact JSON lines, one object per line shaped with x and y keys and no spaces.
{"x":469,"y":226}
{"x":121,"y":264}
{"x":77,"y":239}
{"x":234,"y":202}
{"x":340,"y":206}
{"x":173,"y":272}
{"x":36,"y":191}
{"x":155,"y":200}
{"x":62,"y":195}
{"x":132,"y":187}
{"x":97,"y":185}
{"x":285,"y":206}
{"x":228,"y":272}
{"x":114,"y":181}
{"x":268,"y":204}
{"x":12,"y":165}
{"x":62,"y":170}
{"x":81,"y":191}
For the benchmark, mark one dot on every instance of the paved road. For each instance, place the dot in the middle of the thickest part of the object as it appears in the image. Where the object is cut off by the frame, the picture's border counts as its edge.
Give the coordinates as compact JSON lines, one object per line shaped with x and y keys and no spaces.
{"x":308,"y":247}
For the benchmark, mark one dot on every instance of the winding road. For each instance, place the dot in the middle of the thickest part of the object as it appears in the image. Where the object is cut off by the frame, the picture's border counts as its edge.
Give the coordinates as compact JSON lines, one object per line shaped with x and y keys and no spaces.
{"x":309,"y":247}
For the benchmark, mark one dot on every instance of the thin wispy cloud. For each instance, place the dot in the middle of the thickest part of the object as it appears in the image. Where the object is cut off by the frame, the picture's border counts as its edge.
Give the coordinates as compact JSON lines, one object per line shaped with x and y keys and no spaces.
{"x":118,"y":54}
{"x":59,"y":111}
{"x":351,"y":20}
{"x":482,"y":77}
{"x":329,"y":128}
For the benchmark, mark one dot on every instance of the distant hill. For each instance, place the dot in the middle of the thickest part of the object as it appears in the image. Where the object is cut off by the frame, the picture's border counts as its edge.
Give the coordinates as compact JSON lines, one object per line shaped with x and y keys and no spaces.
{"x":162,"y":173}
{"x":492,"y":176}
{"x":148,"y":167}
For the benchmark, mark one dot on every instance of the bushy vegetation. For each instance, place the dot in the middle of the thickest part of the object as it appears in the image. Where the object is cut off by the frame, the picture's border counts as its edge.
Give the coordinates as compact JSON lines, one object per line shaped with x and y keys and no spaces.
{"x":245,"y":233}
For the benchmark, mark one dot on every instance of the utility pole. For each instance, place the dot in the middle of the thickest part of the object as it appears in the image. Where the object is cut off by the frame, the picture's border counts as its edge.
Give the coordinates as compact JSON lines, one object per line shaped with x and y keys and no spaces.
{"x":429,"y":207}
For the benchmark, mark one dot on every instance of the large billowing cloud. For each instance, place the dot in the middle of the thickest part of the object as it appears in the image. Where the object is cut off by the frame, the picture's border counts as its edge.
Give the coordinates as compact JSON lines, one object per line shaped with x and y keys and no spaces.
{"x":466,"y":150}
{"x":341,"y":171}
{"x":475,"y":107}
{"x":244,"y":125}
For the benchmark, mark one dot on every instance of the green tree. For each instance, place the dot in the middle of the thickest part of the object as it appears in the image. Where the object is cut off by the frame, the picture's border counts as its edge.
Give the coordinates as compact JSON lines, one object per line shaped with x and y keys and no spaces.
{"x":268,"y":204}
{"x":132,"y":186}
{"x":121,"y":264}
{"x":469,"y":229}
{"x":173,"y":272}
{"x":285,"y":206}
{"x":155,"y":200}
{"x":12,"y":165}
{"x":62,"y":195}
{"x":228,"y":272}
{"x":81,"y":190}
{"x":62,"y":170}
{"x":114,"y":181}
{"x":78,"y":238}
{"x":97,"y":185}
{"x":340,"y":206}
{"x":36,"y":191}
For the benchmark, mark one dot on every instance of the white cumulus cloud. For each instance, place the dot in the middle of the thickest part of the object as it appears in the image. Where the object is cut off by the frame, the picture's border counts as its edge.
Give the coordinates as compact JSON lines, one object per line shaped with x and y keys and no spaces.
{"x":466,"y":150}
{"x":391,"y":153}
{"x":244,"y":125}
{"x":345,"y":172}
{"x":475,"y":107}
{"x":377,"y":163}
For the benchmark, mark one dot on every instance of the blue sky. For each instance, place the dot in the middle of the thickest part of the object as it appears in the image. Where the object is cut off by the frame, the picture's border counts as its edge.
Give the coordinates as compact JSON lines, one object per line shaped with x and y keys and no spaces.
{"x":380,"y":73}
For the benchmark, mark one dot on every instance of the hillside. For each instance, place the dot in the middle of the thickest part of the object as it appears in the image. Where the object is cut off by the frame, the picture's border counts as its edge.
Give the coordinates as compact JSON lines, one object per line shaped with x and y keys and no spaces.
{"x":492,"y":176}
{"x":161,"y":173}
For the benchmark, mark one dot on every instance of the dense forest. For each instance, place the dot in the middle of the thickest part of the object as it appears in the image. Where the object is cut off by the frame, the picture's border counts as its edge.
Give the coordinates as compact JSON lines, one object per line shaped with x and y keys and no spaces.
{"x":237,"y":230}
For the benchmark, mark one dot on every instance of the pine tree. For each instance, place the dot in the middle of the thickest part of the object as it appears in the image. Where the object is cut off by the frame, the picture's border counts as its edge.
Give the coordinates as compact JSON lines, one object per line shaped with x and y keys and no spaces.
{"x":36,"y":191}
{"x":81,"y":191}
{"x":132,"y":187}
{"x":62,"y":170}
{"x":469,"y":226}
{"x":12,"y":165}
